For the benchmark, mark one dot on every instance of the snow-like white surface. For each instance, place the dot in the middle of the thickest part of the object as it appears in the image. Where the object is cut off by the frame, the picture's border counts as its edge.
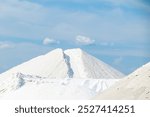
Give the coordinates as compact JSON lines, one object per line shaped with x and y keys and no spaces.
{"x":36,"y":87}
{"x":134,"y":86}
{"x":87,"y":66}
{"x":69,"y":74}
{"x":51,"y":65}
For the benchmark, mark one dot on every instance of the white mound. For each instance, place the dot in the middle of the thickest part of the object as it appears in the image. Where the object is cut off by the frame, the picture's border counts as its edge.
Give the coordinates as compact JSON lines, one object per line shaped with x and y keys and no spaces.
{"x":134,"y":86}
{"x":69,"y":74}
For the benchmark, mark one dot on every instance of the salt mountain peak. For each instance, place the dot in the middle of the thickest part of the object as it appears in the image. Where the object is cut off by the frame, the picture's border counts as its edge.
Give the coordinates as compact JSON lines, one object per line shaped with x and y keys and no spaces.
{"x":71,"y":63}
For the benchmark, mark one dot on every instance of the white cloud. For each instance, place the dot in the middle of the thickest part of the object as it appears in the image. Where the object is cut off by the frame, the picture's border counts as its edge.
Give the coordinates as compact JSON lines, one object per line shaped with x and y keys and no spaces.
{"x":4,"y":45}
{"x":48,"y":41}
{"x":84,"y":40}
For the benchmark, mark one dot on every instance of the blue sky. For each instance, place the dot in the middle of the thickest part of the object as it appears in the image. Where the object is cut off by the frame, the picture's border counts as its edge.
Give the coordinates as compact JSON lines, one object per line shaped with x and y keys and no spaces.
{"x":115,"y":31}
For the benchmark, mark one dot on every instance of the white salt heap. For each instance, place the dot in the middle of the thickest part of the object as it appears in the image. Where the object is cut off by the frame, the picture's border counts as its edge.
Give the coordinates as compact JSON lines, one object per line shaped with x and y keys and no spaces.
{"x":69,"y":74}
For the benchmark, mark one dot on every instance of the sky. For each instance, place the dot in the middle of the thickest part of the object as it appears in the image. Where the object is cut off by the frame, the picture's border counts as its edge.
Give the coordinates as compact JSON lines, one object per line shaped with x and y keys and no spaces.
{"x":114,"y":31}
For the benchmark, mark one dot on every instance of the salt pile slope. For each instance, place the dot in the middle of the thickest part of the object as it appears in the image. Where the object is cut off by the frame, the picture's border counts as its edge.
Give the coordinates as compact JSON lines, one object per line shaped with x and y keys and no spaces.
{"x":72,"y":63}
{"x":135,"y":86}
{"x":87,"y":66}
{"x":50,"y":65}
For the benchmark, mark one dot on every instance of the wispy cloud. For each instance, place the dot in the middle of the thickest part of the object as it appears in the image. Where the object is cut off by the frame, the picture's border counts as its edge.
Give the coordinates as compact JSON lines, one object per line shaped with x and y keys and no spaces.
{"x":4,"y":45}
{"x":31,"y":20}
{"x":48,"y":41}
{"x":84,"y":40}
